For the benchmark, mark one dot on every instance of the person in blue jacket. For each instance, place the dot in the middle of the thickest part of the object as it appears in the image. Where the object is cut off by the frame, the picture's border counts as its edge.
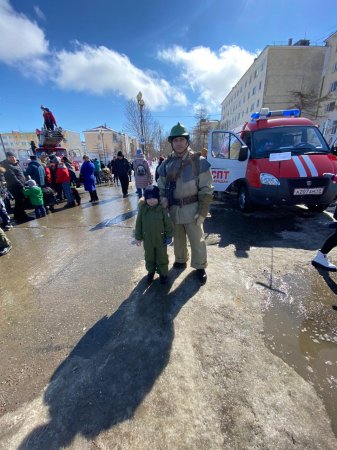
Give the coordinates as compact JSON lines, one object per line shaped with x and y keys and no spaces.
{"x":36,"y":171}
{"x":87,"y":173}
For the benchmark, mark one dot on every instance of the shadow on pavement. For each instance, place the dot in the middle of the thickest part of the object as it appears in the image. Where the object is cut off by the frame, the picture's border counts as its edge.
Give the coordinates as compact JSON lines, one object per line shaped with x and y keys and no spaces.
{"x":291,"y":227}
{"x":113,"y":367}
{"x":115,"y":220}
{"x":327,"y":278}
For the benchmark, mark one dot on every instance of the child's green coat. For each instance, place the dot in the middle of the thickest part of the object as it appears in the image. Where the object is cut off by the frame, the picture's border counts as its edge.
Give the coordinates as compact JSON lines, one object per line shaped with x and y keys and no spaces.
{"x":153,"y":225}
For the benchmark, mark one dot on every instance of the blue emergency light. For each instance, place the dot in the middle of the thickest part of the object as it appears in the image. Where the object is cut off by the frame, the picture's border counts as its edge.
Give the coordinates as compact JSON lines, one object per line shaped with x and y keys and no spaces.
{"x":264,"y":113}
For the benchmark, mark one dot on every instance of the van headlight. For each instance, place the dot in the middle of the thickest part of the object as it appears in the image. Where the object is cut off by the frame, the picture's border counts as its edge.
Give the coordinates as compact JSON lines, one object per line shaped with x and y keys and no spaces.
{"x":269,"y":179}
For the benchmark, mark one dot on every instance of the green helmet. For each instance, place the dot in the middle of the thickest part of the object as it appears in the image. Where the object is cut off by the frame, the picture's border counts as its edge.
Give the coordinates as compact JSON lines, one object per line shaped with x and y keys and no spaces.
{"x":178,"y":130}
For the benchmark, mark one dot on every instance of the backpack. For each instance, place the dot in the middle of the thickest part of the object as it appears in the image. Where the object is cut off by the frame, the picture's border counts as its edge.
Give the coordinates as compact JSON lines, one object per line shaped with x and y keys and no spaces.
{"x":140,"y":170}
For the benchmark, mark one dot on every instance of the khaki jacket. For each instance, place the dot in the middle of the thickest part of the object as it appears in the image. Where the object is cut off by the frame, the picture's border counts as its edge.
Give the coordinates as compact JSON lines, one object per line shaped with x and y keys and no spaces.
{"x":194,"y":179}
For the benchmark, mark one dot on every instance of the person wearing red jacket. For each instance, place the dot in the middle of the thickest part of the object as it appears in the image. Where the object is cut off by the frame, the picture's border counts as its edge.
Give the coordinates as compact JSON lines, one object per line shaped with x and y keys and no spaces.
{"x":49,"y":119}
{"x":63,"y":178}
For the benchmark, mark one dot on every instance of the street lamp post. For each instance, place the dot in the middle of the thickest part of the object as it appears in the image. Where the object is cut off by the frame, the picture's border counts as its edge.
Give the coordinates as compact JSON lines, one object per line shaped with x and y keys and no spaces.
{"x":101,"y":133}
{"x":141,"y":105}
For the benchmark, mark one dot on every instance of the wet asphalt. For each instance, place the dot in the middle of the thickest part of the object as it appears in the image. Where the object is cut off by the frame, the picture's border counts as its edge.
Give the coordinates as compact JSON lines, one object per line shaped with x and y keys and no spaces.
{"x":67,"y":282}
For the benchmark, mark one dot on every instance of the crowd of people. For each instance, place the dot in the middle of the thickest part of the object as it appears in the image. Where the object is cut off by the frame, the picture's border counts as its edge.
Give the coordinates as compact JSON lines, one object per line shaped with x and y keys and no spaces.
{"x":176,"y":208}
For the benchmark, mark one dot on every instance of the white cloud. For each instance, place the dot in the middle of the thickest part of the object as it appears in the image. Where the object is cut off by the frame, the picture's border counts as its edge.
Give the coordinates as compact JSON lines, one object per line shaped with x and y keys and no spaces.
{"x":39,"y":13}
{"x":210,"y":74}
{"x":100,"y":70}
{"x":21,"y":39}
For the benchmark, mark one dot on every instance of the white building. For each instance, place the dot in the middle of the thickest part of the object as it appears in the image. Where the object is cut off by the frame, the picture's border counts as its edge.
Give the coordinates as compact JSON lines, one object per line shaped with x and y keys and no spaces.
{"x":281,"y":77}
{"x":328,"y":110}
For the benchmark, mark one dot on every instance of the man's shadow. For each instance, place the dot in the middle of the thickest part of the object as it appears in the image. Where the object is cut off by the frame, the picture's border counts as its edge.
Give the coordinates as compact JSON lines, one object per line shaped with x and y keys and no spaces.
{"x":113,"y":367}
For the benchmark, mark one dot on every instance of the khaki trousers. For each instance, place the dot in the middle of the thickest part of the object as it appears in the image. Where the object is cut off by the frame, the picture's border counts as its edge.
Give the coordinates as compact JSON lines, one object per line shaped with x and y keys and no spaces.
{"x":195,"y":234}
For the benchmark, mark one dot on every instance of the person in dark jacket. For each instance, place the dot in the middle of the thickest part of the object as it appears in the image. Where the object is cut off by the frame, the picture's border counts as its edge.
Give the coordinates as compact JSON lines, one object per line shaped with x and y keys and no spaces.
{"x":114,"y":170}
{"x":123,"y":168}
{"x":35,"y":171}
{"x":161,"y":159}
{"x":6,"y":221}
{"x":87,"y":173}
{"x":15,"y":180}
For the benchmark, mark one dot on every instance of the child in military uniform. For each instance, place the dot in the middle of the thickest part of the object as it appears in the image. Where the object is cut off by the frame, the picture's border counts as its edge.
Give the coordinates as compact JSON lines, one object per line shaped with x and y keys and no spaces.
{"x":155,"y":229}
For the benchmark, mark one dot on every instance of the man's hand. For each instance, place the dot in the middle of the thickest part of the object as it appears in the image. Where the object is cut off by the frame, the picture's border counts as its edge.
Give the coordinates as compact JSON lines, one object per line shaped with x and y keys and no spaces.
{"x":199,"y":219}
{"x":138,"y":243}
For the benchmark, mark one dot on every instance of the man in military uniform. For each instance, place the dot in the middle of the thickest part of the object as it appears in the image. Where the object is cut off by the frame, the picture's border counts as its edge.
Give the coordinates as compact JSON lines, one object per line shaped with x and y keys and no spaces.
{"x":185,"y":184}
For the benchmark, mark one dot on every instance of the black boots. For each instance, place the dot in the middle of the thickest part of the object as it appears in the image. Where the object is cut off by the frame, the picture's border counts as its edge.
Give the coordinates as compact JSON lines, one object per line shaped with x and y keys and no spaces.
{"x":163,"y":279}
{"x":150,"y":277}
{"x":201,"y":274}
{"x":179,"y":265}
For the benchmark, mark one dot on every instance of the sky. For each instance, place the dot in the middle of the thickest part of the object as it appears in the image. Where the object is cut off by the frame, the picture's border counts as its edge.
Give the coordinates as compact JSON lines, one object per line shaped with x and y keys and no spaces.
{"x":85,"y":59}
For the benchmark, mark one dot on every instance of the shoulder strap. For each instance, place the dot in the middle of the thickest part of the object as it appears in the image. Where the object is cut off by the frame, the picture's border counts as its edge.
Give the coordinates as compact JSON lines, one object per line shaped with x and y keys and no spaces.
{"x":195,"y":160}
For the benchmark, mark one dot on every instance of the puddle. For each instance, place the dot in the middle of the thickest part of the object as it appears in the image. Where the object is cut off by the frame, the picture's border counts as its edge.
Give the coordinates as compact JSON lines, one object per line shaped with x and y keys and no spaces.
{"x":300,"y":327}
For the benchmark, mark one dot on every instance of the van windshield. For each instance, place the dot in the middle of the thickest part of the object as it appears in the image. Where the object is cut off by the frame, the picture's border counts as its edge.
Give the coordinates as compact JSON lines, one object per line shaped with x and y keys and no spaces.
{"x":294,"y":139}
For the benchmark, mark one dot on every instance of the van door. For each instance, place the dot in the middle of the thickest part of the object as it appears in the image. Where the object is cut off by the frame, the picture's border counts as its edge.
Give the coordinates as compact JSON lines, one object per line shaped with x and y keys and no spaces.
{"x":223,"y":155}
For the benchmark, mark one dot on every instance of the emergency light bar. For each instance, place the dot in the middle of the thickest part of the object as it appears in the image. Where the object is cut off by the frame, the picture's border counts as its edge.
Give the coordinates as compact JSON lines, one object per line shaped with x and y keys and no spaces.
{"x":264,"y":113}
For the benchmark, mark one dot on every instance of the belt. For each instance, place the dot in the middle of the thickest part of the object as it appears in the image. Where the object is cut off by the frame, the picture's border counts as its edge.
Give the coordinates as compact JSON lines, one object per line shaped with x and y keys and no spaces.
{"x":185,"y":200}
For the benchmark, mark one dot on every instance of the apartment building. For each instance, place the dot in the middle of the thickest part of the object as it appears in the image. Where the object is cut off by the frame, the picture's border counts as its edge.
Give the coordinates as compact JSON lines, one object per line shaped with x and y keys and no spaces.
{"x":328,"y":107}
{"x":18,"y":142}
{"x":281,"y":77}
{"x":106,"y":142}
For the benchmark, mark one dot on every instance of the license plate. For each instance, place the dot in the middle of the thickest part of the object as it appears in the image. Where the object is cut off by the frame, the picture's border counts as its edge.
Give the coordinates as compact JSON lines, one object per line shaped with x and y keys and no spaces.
{"x":308,"y":191}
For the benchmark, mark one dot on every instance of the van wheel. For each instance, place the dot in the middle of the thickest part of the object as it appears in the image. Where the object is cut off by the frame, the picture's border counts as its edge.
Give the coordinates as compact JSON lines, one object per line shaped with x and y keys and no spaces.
{"x":245,"y":204}
{"x":317,"y":208}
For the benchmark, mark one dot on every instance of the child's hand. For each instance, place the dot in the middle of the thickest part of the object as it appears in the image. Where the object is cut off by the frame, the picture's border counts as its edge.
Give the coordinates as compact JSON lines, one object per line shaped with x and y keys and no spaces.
{"x":138,"y":243}
{"x":167,"y":241}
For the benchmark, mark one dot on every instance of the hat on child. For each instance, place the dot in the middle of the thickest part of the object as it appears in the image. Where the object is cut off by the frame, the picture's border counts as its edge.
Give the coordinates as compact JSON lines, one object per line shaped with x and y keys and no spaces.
{"x":8,"y":154}
{"x":151,"y":192}
{"x":31,"y":183}
{"x":120,"y":153}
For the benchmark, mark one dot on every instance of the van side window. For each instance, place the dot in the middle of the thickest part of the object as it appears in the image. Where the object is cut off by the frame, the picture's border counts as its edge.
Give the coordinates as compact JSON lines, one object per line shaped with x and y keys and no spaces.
{"x":225,"y":146}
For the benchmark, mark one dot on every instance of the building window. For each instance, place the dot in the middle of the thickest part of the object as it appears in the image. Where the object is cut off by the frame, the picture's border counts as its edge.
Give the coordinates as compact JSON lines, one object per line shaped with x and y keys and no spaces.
{"x":248,"y":95}
{"x":255,"y":73}
{"x":333,"y":86}
{"x":260,"y":85}
{"x":254,"y":90}
{"x":258,"y":103}
{"x":334,"y":67}
{"x":252,"y":107}
{"x":334,"y":127}
{"x":330,"y":106}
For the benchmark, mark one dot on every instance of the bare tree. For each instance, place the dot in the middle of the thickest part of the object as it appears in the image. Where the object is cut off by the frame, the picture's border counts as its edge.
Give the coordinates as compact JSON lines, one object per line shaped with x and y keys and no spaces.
{"x":309,"y":103}
{"x":200,"y":130}
{"x":133,"y":126}
{"x":165,"y":146}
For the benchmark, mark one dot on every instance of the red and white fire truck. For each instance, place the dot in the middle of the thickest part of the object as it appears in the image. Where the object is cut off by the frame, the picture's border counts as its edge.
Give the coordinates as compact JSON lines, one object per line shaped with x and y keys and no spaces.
{"x":276,"y":158}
